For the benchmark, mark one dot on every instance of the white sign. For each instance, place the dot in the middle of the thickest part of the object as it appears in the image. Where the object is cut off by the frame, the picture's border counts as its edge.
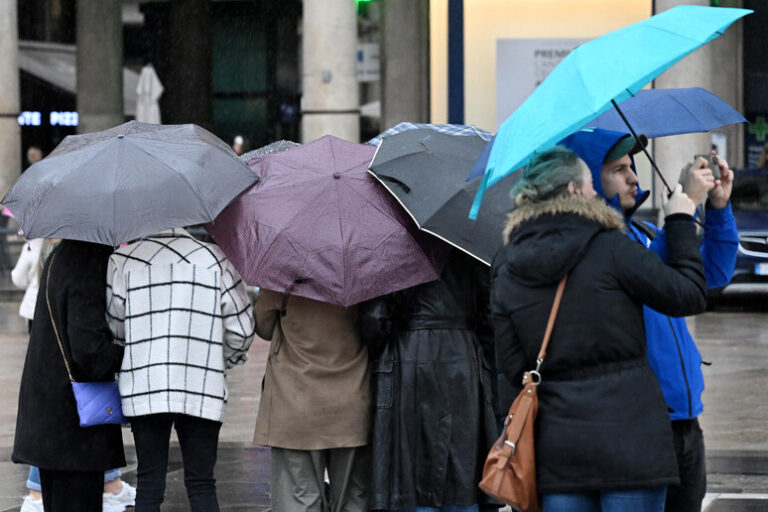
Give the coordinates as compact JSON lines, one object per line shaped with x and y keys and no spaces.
{"x":521,"y":65}
{"x":35,"y":118}
{"x":29,"y":118}
{"x":64,"y":118}
{"x":368,"y":62}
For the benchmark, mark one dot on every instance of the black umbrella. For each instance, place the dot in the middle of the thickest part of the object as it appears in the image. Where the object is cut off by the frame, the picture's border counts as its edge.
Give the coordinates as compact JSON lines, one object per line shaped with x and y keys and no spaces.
{"x":426,"y":171}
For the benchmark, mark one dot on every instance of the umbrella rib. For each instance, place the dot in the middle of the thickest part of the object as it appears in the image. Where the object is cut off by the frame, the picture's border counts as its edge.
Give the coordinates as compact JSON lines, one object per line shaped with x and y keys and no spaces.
{"x":478,"y":258}
{"x":396,"y":221}
{"x":391,"y":193}
{"x":120,"y":151}
{"x":685,"y":107}
{"x":180,"y":175}
{"x":53,"y":184}
{"x":343,"y":244}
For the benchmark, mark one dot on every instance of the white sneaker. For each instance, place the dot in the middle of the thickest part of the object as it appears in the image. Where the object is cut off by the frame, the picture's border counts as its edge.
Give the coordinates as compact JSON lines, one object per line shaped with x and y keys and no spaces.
{"x":118,"y":502}
{"x":31,"y":505}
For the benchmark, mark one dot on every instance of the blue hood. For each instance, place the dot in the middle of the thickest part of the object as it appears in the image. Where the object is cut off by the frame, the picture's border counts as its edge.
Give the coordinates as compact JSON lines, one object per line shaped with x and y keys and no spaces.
{"x":592,"y":144}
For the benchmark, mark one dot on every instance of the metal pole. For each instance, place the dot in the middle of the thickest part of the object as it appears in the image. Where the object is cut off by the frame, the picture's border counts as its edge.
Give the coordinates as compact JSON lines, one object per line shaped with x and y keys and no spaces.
{"x":650,"y":158}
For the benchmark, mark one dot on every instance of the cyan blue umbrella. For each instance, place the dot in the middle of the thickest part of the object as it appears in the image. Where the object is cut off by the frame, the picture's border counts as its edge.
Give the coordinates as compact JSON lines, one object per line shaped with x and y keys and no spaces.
{"x":656,"y":113}
{"x":597,"y":75}
{"x":662,"y":112}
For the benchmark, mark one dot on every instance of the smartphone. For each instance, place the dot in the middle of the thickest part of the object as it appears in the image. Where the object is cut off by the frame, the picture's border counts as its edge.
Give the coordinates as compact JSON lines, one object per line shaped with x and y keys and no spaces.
{"x":712,"y":162}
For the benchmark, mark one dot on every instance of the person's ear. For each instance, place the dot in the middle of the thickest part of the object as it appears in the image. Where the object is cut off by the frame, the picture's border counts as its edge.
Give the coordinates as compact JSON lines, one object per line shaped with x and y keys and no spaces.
{"x":573,"y":189}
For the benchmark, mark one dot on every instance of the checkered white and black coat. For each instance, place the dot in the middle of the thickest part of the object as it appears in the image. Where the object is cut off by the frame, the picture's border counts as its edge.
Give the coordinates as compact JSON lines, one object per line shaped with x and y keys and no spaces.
{"x":183,"y":312}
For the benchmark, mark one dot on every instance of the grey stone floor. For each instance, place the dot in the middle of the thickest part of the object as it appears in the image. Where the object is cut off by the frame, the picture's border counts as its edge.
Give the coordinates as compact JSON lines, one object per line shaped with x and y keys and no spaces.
{"x":735,"y":420}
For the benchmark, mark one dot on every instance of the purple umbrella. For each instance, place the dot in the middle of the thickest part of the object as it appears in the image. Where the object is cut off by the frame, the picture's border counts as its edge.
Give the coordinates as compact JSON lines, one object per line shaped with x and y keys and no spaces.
{"x":317,"y":225}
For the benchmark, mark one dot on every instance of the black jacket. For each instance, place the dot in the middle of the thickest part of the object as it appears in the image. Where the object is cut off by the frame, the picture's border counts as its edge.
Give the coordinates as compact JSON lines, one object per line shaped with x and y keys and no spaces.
{"x":602,"y":421}
{"x":433,"y":422}
{"x":48,"y":434}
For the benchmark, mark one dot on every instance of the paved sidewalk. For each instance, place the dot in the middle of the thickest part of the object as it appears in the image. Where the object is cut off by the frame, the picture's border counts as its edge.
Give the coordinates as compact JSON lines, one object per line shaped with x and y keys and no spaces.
{"x":242,"y":471}
{"x":735,"y":420}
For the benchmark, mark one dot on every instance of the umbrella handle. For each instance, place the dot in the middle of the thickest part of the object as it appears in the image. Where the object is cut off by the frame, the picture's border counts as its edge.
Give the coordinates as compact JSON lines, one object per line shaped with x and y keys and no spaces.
{"x":287,"y":294}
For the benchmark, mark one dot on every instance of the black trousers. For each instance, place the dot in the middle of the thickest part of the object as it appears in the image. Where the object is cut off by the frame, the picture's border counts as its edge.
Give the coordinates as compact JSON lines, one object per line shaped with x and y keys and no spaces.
{"x":67,"y":491}
{"x":691,"y":462}
{"x":198,"y":438}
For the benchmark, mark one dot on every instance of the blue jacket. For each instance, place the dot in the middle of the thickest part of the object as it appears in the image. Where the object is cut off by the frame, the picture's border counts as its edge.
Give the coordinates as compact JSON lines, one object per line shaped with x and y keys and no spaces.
{"x":672,"y":352}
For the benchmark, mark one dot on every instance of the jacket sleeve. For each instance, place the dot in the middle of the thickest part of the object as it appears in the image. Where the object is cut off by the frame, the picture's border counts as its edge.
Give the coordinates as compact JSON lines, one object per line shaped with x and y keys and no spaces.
{"x":677,"y":288}
{"x":116,"y":301}
{"x":237,"y":315}
{"x":483,"y":323}
{"x":374,"y":319}
{"x":267,"y":311}
{"x":510,"y":358}
{"x":509,"y":355}
{"x":90,"y":340}
{"x":20,"y":273}
{"x":719,"y":246}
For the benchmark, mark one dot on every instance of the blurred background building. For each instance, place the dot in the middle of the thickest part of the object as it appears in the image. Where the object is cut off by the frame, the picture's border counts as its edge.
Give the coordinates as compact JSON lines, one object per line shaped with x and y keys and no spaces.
{"x":293,"y":69}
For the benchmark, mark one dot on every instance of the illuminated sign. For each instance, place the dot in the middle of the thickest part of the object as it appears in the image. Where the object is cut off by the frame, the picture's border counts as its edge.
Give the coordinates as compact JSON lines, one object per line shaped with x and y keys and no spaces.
{"x":64,"y":118}
{"x":30,"y":118}
{"x":34,"y":118}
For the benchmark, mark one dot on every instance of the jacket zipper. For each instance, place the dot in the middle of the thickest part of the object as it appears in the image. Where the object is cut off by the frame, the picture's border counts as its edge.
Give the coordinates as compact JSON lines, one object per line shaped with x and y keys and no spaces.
{"x":682,"y":365}
{"x":674,"y":334}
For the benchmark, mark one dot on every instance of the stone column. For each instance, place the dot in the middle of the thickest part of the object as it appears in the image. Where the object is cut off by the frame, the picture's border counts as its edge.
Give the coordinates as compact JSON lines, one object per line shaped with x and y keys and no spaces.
{"x":330,"y":102}
{"x":10,"y":138}
{"x":405,"y":62}
{"x":99,"y":64}
{"x":717,"y":67}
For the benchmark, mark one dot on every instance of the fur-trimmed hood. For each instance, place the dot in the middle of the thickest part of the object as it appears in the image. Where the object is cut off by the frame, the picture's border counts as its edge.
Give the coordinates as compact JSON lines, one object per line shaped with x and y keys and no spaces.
{"x":545,"y":240}
{"x":590,"y":209}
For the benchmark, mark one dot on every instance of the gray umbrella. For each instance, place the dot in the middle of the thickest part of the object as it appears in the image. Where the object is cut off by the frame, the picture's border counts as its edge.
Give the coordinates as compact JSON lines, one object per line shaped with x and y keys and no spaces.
{"x":129,"y":181}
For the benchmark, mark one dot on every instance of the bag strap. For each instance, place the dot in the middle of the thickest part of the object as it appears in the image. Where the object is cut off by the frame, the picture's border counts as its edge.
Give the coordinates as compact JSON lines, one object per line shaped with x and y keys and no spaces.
{"x":53,"y":322}
{"x":551,"y":322}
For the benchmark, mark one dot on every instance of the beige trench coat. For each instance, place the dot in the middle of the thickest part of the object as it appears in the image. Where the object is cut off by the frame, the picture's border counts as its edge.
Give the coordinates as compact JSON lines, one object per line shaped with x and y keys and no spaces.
{"x":317,"y":392}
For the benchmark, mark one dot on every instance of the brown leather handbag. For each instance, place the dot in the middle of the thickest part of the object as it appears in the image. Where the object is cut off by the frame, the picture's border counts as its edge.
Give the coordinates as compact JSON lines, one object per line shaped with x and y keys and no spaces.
{"x":509,"y":474}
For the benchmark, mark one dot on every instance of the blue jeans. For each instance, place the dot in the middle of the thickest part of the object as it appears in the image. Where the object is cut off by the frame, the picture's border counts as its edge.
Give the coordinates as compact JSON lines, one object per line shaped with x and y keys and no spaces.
{"x":444,"y":508}
{"x":33,"y":480}
{"x":637,"y":500}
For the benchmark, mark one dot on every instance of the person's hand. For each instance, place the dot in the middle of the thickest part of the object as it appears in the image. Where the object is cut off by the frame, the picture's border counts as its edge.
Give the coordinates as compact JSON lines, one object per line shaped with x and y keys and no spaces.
{"x":721,"y":194}
{"x":678,"y":202}
{"x":697,"y":180}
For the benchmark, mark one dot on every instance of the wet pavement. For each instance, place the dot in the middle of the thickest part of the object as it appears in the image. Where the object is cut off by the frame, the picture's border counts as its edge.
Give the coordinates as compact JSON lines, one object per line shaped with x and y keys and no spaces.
{"x":735,"y":421}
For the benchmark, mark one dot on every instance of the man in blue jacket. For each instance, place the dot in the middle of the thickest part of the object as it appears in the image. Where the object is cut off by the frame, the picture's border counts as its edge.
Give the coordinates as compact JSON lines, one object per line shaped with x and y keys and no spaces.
{"x":671,"y":350}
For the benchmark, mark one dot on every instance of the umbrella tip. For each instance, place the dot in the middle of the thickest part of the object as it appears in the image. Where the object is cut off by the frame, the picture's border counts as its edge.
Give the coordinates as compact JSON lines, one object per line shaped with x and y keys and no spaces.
{"x":336,"y":176}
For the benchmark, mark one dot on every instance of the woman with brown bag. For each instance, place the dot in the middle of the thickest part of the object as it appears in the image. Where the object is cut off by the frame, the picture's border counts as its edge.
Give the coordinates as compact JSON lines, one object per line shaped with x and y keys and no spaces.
{"x":602,"y":435}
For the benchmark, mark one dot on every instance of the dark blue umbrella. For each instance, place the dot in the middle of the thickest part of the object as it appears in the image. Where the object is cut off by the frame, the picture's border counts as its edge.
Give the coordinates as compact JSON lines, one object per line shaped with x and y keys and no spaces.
{"x":662,"y":112}
{"x":656,"y":113}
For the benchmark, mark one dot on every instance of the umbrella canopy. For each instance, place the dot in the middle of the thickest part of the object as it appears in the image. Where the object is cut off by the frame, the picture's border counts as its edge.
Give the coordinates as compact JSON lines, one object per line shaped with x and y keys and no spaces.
{"x":318,"y":226}
{"x":597,"y":74}
{"x":451,"y":129}
{"x":129,"y":181}
{"x":663,"y":112}
{"x":656,"y":113}
{"x":425,"y":171}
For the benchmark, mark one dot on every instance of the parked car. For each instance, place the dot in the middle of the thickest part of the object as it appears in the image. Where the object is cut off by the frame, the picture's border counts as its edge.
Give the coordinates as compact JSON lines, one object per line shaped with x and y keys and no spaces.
{"x":749,"y":201}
